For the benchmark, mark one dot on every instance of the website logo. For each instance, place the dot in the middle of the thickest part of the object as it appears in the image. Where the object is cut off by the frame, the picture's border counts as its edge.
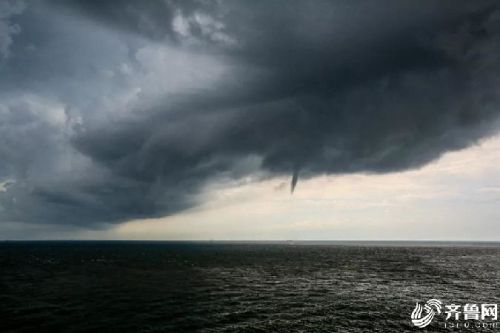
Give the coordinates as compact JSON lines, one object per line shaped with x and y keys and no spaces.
{"x":422,"y":316}
{"x":470,"y":315}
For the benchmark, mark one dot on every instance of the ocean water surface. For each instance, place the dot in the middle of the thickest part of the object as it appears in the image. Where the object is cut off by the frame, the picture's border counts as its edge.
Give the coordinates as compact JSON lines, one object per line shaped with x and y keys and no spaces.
{"x":238,"y":287}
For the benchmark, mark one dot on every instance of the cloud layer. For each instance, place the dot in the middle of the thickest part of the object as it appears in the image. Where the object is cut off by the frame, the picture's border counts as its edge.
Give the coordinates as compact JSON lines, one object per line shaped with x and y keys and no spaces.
{"x":120,"y":110}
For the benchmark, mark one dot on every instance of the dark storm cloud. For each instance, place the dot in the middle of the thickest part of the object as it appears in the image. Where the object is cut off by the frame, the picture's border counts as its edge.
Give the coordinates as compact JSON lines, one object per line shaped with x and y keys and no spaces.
{"x":307,"y":88}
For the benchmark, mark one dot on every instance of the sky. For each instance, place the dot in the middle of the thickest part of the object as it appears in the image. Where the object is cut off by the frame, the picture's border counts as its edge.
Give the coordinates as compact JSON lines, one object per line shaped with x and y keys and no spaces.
{"x":265,"y":120}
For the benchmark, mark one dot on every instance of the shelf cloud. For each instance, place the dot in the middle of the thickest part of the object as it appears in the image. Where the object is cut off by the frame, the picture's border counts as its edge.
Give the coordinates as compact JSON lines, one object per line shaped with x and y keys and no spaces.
{"x":119,"y":110}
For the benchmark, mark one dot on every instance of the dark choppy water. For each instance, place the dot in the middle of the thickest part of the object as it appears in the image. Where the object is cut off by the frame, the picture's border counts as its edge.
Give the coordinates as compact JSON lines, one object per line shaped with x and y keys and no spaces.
{"x":224,"y":287}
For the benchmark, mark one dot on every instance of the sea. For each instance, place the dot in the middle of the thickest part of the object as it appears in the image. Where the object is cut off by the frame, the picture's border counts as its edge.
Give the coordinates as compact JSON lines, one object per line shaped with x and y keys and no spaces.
{"x":136,"y":286}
